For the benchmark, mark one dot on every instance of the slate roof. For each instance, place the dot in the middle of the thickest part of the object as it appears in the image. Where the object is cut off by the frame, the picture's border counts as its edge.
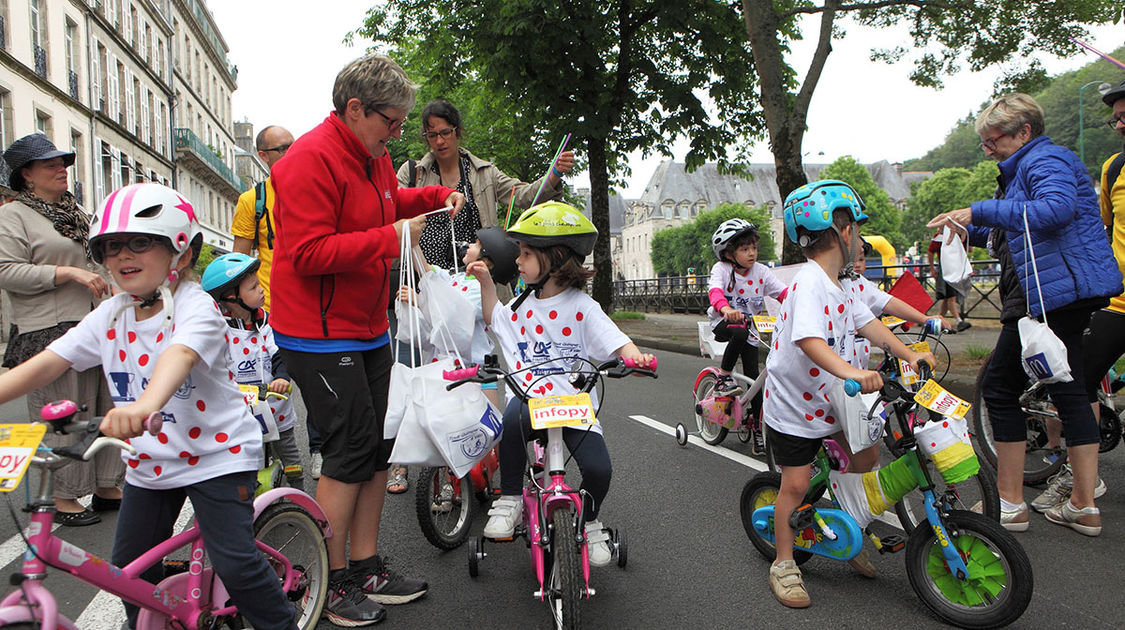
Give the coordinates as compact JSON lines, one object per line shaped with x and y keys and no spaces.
{"x":617,"y":207}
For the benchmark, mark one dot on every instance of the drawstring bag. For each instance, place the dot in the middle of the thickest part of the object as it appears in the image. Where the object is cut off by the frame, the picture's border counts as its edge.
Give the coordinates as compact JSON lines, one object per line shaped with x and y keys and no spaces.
{"x":1044,"y":354}
{"x":955,"y":267}
{"x":861,"y":428}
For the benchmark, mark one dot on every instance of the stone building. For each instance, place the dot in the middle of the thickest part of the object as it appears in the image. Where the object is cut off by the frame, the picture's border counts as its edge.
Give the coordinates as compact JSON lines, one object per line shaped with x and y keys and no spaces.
{"x":674,"y":197}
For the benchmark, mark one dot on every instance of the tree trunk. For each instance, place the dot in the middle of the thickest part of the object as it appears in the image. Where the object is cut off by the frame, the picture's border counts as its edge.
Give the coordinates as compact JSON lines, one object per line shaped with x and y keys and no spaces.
{"x":599,"y":214}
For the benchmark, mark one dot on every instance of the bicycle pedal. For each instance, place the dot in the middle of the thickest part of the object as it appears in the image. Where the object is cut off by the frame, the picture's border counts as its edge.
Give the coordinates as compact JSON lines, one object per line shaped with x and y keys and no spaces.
{"x":802,"y":517}
{"x":175,"y":567}
{"x":891,"y":543}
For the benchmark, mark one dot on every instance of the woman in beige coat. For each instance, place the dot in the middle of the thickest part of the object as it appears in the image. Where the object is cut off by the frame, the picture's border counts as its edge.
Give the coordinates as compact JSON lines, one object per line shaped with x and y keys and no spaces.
{"x":46,"y":271}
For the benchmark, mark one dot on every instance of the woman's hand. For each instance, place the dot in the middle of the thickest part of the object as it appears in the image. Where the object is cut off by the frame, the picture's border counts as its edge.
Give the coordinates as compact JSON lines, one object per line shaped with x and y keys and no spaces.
{"x":92,"y":281}
{"x":565,"y":163}
{"x":126,"y":422}
{"x":417,"y":224}
{"x":955,"y":219}
{"x":457,"y":200}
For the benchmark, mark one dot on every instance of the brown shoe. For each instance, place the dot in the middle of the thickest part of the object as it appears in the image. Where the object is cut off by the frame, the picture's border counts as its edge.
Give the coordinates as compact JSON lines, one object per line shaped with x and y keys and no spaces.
{"x":1087,"y":520}
{"x":787,"y":585}
{"x":862,"y":563}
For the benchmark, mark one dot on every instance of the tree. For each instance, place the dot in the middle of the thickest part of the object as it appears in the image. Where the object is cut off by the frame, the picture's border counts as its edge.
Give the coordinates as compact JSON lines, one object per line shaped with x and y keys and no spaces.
{"x":619,"y":75}
{"x":675,"y":250}
{"x":948,"y":189}
{"x":883,"y":216}
{"x":946,"y":34}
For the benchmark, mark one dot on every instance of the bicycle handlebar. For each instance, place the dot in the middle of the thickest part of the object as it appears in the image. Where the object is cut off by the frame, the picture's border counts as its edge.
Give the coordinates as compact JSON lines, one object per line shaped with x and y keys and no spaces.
{"x":891,"y":389}
{"x":490,"y":371}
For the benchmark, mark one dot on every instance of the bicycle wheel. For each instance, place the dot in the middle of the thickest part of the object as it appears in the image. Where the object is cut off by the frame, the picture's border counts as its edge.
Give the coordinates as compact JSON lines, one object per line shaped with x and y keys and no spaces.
{"x":291,"y":531}
{"x":937,"y":346}
{"x":1001,"y":584}
{"x":565,"y":587}
{"x":445,"y":506}
{"x":709,"y":431}
{"x":761,"y":491}
{"x":1040,"y":461}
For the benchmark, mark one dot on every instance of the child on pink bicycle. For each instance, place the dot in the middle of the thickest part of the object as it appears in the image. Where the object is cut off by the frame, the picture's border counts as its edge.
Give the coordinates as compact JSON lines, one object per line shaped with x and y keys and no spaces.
{"x":737,"y":290}
{"x":552,"y":318}
{"x":160,"y":343}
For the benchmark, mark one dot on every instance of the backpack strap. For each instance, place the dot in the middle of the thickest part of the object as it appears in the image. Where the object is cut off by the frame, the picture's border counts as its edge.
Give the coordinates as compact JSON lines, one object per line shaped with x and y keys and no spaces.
{"x":413,"y":166}
{"x":260,"y":211}
{"x":1114,"y":170}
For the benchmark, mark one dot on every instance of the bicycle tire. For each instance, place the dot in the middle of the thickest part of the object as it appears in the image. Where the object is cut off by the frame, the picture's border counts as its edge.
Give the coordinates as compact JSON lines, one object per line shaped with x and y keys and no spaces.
{"x":1039,"y":465}
{"x":709,"y":432}
{"x":997,"y":561}
{"x":761,"y":491}
{"x":565,"y":586}
{"x":1109,"y":425}
{"x":444,"y":529}
{"x":937,"y":346}
{"x":290,"y":530}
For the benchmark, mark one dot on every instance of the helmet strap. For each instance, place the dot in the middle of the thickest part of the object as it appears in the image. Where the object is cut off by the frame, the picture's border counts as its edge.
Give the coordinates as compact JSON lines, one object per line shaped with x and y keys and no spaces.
{"x":848,"y":248}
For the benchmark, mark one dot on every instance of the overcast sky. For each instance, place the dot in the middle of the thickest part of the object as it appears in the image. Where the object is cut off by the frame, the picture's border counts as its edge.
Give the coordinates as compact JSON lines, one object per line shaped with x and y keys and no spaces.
{"x":288,"y":56}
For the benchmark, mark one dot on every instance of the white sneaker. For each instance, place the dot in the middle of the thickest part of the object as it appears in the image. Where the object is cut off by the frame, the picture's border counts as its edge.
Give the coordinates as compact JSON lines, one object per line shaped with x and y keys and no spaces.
{"x":505,"y":514}
{"x":315,"y":462}
{"x":597,"y":544}
{"x":1059,"y":490}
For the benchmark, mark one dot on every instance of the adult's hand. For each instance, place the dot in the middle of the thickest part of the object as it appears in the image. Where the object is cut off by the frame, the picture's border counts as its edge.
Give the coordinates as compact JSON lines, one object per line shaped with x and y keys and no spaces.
{"x":417,"y":224}
{"x":457,"y":200}
{"x":92,"y":281}
{"x":956,"y":219}
{"x":565,"y":163}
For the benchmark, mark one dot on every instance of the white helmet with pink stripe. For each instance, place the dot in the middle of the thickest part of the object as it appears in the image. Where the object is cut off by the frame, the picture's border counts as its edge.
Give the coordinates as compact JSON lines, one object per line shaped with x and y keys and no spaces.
{"x":147,"y":209}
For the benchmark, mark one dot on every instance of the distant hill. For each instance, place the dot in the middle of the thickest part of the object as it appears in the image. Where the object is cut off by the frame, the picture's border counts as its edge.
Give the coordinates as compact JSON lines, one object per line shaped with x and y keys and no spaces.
{"x":1060,"y":104}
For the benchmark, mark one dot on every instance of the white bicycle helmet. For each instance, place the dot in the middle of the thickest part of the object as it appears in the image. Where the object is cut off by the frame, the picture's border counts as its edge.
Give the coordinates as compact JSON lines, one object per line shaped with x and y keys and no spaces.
{"x":728,"y":231}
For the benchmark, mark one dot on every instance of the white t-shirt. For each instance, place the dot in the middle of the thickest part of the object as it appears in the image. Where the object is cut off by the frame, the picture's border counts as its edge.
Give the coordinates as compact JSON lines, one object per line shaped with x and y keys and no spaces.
{"x":796,"y":390}
{"x":252,"y":352}
{"x":748,"y":292}
{"x":876,"y":299}
{"x":567,"y":325}
{"x":208,"y":430}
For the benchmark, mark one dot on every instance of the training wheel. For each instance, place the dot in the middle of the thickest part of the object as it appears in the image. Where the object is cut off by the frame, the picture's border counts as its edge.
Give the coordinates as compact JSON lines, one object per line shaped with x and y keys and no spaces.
{"x":681,"y":435}
{"x":744,"y":434}
{"x":622,"y":547}
{"x":476,"y":552}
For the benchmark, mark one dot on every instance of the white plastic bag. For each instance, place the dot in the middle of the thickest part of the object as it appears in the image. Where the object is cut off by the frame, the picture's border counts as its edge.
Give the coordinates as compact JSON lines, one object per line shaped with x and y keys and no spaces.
{"x":1043,"y":353}
{"x":444,"y":307}
{"x":955,"y":267}
{"x":413,"y":444}
{"x":260,"y":409}
{"x":860,"y":429}
{"x":399,"y":406}
{"x":462,"y":425}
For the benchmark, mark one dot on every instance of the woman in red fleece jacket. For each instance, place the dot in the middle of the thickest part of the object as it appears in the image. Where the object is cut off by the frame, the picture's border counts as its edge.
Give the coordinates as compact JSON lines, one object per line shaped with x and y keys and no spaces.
{"x":338,"y":218}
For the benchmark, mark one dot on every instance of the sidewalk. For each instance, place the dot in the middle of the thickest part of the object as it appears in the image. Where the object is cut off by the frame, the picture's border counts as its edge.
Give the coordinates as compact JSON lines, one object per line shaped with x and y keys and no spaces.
{"x":673,"y":332}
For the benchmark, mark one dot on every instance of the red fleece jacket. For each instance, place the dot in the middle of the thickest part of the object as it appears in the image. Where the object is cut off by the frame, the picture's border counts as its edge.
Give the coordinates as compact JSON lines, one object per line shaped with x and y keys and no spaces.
{"x":334,"y":234}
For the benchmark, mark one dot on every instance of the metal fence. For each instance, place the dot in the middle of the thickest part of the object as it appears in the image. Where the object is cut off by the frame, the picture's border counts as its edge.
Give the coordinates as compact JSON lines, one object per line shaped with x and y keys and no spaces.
{"x":688,"y":294}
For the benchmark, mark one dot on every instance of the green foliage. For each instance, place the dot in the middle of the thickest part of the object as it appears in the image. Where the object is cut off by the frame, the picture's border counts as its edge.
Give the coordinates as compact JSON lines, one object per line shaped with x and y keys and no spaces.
{"x":675,"y":250}
{"x":620,"y":315}
{"x":949,"y":189}
{"x":206,"y":254}
{"x":977,"y":352}
{"x":884,"y":216}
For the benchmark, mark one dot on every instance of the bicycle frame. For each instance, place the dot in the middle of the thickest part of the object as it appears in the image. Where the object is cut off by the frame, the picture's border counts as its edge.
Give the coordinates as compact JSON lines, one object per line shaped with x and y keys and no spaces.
{"x":741,"y":402}
{"x":540,"y":504}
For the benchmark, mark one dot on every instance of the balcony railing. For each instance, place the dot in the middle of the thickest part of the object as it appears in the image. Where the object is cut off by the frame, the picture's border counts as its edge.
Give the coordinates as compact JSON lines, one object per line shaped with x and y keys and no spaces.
{"x":188,"y":141}
{"x":3,"y":33}
{"x":78,"y":194}
{"x":72,"y":83}
{"x":40,"y":61}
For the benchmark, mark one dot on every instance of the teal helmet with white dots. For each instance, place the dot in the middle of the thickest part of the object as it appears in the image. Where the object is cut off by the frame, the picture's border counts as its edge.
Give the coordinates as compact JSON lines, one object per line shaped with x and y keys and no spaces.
{"x":811,"y":207}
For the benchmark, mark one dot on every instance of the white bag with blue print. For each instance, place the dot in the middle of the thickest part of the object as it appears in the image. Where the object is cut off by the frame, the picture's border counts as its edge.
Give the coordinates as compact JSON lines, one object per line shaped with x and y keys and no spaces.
{"x":1044,"y":354}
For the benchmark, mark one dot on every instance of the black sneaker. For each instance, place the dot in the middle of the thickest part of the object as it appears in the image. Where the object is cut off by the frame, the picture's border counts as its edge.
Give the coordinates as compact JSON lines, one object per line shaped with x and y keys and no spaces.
{"x":348,"y":606}
{"x":759,"y":443}
{"x":963,"y":325}
{"x":726,"y":386}
{"x":384,"y":585}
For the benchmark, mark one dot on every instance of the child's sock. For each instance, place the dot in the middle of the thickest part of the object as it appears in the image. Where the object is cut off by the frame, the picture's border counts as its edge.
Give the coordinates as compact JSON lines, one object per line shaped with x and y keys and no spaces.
{"x":1007,"y":506}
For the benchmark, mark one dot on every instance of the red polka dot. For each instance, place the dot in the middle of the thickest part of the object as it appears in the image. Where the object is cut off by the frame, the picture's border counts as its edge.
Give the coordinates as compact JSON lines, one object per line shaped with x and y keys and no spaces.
{"x":840,"y":308}
{"x":221,"y":437}
{"x":834,"y":486}
{"x":528,"y":314}
{"x":200,"y":405}
{"x":539,"y":330}
{"x":776,"y":345}
{"x":933,"y":444}
{"x":236,"y":449}
{"x":528,"y":376}
{"x":193,"y":460}
{"x":519,"y":365}
{"x":455,"y":283}
{"x":829,"y":325}
{"x":741,"y":291}
{"x":579,"y":316}
{"x":144,"y":456}
{"x":523,"y":331}
{"x":515,"y":317}
{"x":825,"y":310}
{"x":465,"y":288}
{"x":830,"y":420}
{"x":236,"y":339}
{"x":281,"y":417}
{"x":194,"y":432}
{"x":133,"y":463}
{"x":226,"y":338}
{"x":767,"y":393}
{"x":230,"y":375}
{"x":184,"y":454}
{"x":945,"y":424}
{"x":861,"y":287}
{"x":110,"y":334}
{"x":132,"y":336}
{"x":818,"y":413}
{"x":808,"y":417}
{"x":749,"y":281}
{"x":566,"y":331}
{"x":162,"y":437}
{"x":815,"y":372}
{"x":121,"y":354}
{"x":553,"y":314}
{"x":143,"y":360}
{"x":253,"y":340}
{"x":246,"y":351}
{"x":159,"y":337}
{"x":784,"y":316}
{"x":157,"y":470}
{"x":806,"y":396}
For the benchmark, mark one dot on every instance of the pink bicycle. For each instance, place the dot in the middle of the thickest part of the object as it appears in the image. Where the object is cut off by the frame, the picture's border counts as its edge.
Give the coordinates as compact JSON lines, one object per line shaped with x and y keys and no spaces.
{"x":553,"y":511}
{"x":289,"y":525}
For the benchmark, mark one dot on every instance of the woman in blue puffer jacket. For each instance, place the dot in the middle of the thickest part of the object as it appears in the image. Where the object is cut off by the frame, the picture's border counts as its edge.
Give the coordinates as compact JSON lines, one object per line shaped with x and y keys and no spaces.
{"x":1077,"y":275}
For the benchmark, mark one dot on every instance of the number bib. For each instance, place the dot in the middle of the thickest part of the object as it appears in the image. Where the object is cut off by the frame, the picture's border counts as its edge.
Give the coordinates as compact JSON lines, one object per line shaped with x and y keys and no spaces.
{"x":574,"y":410}
{"x":934,"y":397}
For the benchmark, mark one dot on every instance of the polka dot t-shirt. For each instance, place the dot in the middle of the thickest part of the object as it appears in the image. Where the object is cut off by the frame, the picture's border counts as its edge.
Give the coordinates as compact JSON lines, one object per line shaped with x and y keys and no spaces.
{"x":252,"y":352}
{"x":745,"y":292}
{"x":876,"y":299}
{"x":208,"y":430}
{"x":566,"y":325}
{"x":796,"y":394}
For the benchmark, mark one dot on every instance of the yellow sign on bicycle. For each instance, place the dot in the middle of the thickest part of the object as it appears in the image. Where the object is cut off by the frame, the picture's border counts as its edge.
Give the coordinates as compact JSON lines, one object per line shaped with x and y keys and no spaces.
{"x":765,"y":323}
{"x":935,"y":398}
{"x":909,"y":376}
{"x":249,"y":394}
{"x":575,"y":410}
{"x":890,"y":321}
{"x":17,"y":444}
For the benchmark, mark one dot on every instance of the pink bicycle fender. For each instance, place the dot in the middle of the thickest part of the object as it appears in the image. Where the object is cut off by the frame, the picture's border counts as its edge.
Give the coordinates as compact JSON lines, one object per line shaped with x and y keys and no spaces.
{"x":297,"y":497}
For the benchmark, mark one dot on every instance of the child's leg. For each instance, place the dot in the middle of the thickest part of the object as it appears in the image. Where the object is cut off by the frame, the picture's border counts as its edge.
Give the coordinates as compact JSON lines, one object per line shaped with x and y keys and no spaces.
{"x":146,"y":519}
{"x":861,"y":462}
{"x":590,"y":453}
{"x":750,"y":368}
{"x":285,"y":449}
{"x":794,"y":487}
{"x":224,"y":511}
{"x":513,"y":448}
{"x":735,"y":335}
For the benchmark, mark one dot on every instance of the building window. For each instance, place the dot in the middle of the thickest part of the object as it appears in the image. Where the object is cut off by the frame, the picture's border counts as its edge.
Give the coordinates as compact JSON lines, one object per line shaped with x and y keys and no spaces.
{"x":72,"y":59}
{"x":43,"y":123}
{"x":4,"y":24}
{"x":79,"y":163}
{"x":39,"y":36}
{"x":6,"y":133}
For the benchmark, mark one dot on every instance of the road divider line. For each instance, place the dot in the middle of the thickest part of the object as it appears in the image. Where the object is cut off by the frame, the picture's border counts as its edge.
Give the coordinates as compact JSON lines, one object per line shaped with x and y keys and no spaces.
{"x":739,"y":458}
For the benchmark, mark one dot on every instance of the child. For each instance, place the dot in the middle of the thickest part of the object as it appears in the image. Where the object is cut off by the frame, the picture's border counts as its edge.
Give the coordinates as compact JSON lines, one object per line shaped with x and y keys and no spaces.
{"x":553,"y":318}
{"x":168,"y":356}
{"x":232,"y":280}
{"x":737,"y":291}
{"x":814,"y":340}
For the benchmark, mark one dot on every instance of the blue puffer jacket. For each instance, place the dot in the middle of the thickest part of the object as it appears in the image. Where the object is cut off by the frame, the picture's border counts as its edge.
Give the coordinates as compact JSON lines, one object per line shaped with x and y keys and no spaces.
{"x":1071,"y":247}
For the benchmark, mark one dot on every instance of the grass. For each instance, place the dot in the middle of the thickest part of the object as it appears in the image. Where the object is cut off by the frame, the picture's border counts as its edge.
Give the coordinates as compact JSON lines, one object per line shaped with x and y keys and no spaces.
{"x":977,"y":353}
{"x":1119,"y":366}
{"x":620,"y":315}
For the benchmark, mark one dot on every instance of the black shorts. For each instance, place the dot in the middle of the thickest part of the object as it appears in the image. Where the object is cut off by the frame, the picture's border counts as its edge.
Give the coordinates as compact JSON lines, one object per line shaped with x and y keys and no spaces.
{"x":346,"y":397}
{"x":791,"y":450}
{"x":1102,"y":344}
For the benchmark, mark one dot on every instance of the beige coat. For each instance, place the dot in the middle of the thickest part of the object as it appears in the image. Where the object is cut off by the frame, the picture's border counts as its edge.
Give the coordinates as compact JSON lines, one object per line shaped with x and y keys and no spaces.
{"x":30,"y":250}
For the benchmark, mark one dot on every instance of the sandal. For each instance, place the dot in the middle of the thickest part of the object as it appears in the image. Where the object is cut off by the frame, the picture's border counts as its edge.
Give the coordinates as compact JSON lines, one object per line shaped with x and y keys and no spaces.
{"x":397,"y":481}
{"x":101,"y":504}
{"x":77,"y":519}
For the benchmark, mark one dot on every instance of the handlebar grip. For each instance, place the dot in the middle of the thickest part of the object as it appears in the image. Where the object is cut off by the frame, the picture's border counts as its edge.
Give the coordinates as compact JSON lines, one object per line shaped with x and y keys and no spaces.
{"x":459,"y":375}
{"x":933,"y":327}
{"x":925,"y":371}
{"x":852,"y":387}
{"x":630,"y":363}
{"x":154,"y":422}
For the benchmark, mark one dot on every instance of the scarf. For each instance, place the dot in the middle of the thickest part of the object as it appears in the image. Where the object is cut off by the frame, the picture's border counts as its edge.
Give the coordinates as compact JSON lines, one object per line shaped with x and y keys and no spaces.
{"x":68,"y":219}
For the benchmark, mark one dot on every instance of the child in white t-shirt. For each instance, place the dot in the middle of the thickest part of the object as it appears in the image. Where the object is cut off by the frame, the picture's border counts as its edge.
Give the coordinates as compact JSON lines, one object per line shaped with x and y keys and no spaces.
{"x":814,"y":344}
{"x":554,"y":318}
{"x":232,"y":281}
{"x":160,"y":343}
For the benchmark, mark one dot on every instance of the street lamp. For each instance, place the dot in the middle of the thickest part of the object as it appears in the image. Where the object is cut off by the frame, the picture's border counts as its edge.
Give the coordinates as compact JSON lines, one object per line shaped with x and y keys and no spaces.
{"x":1102,"y":87}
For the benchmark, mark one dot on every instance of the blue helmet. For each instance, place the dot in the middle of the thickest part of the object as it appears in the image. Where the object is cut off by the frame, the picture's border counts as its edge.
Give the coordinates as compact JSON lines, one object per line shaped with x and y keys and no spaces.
{"x":226,"y":272}
{"x":811,"y":206}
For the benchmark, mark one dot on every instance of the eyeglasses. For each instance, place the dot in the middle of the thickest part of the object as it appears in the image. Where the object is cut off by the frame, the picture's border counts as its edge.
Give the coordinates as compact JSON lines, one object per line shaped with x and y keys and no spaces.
{"x":1114,"y":121}
{"x":990,"y":143}
{"x":281,"y":148}
{"x":444,"y":133}
{"x":393,"y":124}
{"x":138,"y":244}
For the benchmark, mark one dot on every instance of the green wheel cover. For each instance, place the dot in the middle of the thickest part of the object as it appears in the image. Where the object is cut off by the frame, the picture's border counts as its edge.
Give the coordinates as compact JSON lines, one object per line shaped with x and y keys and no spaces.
{"x":987,"y":577}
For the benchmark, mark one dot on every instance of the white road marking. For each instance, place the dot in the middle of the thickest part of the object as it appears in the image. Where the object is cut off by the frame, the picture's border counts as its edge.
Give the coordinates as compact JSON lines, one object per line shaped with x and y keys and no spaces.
{"x":749,"y":462}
